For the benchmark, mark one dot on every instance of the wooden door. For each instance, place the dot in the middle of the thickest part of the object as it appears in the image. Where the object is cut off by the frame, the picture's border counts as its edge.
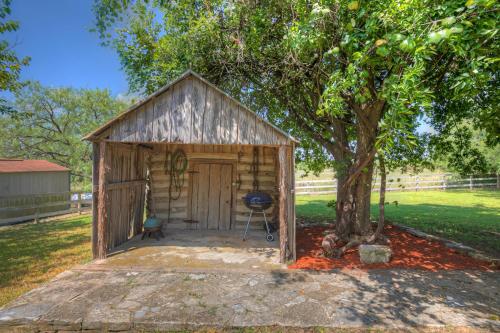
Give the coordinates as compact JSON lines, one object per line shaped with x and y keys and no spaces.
{"x":211,"y":195}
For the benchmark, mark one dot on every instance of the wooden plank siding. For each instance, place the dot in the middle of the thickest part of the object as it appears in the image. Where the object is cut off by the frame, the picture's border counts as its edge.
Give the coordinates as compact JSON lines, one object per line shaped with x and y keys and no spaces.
{"x":193,"y":111}
{"x":218,"y":135}
{"x":242,"y":156}
{"x":119,"y":181}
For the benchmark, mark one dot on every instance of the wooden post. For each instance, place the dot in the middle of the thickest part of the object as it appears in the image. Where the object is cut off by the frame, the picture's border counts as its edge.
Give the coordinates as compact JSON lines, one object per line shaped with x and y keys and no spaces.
{"x":79,"y":203}
{"x":95,"y":195}
{"x":444,"y":182}
{"x":282,"y":171}
{"x":416,"y":183}
{"x":498,"y":181}
{"x":102,"y":214}
{"x":292,"y":218}
{"x":470,"y":183}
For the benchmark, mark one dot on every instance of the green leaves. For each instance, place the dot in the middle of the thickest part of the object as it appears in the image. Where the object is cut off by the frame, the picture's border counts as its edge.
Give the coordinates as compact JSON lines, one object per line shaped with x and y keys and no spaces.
{"x":382,"y":51}
{"x":311,"y":66}
{"x":50,"y":123}
{"x":10,"y":63}
{"x":407,"y":45}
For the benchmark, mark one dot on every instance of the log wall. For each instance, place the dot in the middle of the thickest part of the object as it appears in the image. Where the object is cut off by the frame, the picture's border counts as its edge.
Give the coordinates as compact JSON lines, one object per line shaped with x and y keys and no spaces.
{"x":242,"y":156}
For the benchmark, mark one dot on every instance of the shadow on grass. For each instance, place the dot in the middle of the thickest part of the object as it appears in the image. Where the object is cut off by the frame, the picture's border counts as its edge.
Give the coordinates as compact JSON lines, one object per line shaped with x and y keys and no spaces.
{"x":28,"y":247}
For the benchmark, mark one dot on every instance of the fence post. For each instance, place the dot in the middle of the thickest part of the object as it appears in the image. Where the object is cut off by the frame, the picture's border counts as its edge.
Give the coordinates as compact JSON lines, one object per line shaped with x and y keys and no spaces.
{"x":416,"y":183}
{"x":498,"y":181}
{"x":79,"y":203}
{"x":470,"y":182}
{"x":443,"y":177}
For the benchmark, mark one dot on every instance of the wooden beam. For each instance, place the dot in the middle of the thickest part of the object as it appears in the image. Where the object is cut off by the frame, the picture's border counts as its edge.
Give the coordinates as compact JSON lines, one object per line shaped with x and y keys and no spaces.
{"x":282,"y":176}
{"x":125,"y":146}
{"x":102,"y":214}
{"x":95,"y":193}
{"x":120,"y":185}
{"x":292,"y":218}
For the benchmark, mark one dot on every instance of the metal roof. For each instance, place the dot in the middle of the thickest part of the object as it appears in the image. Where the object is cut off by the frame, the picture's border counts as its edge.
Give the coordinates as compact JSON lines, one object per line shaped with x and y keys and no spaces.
{"x":18,"y":165}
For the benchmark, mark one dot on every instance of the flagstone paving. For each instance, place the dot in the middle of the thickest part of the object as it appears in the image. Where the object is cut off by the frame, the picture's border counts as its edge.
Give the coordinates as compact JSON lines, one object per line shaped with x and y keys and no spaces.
{"x":156,"y":300}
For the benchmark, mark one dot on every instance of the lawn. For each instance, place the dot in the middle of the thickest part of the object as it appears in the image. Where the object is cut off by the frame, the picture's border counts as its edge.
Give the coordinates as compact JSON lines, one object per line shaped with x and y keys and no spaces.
{"x":31,"y":254}
{"x":472,"y":218}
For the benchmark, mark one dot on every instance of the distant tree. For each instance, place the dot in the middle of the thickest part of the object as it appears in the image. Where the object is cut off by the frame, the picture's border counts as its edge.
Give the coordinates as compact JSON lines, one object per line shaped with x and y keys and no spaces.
{"x":10,"y":64}
{"x":49,"y":123}
{"x":348,"y":78}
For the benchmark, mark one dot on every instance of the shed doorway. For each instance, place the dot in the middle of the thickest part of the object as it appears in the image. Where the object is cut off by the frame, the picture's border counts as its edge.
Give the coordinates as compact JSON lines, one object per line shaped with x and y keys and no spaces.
{"x":211,"y":195}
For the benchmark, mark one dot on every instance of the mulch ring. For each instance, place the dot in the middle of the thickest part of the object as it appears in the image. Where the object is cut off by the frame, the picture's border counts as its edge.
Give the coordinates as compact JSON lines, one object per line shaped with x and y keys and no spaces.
{"x":408,"y":251}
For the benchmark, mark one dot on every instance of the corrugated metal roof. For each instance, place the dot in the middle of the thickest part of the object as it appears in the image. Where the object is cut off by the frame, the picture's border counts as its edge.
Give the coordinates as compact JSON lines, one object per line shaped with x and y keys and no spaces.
{"x":16,"y":165}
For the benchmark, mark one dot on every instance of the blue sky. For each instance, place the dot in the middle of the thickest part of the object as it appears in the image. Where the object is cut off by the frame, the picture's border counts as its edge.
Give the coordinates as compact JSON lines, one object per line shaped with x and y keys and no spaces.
{"x":55,"y":34}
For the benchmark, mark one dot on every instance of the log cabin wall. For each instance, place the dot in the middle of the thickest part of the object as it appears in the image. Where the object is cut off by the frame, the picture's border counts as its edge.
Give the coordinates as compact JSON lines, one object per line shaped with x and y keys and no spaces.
{"x":242,"y":183}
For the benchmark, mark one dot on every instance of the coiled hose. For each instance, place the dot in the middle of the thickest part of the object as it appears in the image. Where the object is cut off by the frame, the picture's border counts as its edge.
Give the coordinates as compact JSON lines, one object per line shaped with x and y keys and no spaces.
{"x":175,"y":166}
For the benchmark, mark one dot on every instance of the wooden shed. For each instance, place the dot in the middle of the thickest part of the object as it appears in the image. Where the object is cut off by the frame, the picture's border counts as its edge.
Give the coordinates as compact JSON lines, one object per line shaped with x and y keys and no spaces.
{"x":32,"y":188}
{"x":222,"y":149}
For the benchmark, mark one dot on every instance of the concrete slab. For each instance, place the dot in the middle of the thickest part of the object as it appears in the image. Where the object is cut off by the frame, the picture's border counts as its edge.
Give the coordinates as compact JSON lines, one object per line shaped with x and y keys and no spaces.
{"x":118,"y":300}
{"x":195,"y":250}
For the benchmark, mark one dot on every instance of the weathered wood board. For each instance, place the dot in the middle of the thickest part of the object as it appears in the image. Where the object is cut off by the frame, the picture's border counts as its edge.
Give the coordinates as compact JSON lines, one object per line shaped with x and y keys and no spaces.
{"x":191,"y":111}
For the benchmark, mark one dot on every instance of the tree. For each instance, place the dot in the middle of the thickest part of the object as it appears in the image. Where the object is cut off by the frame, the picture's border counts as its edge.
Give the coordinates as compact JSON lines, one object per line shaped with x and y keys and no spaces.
{"x":10,"y":64}
{"x":49,"y":123}
{"x":346,"y":77}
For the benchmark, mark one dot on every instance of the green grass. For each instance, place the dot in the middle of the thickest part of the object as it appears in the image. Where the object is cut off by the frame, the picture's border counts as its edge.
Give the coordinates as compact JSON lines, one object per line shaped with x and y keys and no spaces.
{"x":468,"y":217}
{"x":31,"y":254}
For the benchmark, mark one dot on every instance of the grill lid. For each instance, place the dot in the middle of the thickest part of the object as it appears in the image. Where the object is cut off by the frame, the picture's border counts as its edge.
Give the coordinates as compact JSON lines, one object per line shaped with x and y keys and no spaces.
{"x":259,"y":200}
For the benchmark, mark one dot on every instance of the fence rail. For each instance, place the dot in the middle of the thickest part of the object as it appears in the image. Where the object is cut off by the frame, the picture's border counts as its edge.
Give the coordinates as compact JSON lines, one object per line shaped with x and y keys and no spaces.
{"x":406,"y":183}
{"x":39,"y":206}
{"x":15,"y":209}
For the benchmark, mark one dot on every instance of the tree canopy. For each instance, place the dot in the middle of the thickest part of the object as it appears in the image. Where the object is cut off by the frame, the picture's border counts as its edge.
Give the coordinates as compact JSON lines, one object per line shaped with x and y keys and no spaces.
{"x":350,"y":79}
{"x":10,"y":64}
{"x":49,"y":123}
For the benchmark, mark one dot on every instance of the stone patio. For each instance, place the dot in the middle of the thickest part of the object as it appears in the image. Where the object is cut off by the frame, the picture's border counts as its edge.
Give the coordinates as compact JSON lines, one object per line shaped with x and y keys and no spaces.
{"x":195,"y":250}
{"x":218,"y":281}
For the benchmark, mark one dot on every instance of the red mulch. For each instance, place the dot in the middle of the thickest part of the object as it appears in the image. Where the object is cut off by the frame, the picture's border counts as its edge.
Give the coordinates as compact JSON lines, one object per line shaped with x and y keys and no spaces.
{"x":408,"y":251}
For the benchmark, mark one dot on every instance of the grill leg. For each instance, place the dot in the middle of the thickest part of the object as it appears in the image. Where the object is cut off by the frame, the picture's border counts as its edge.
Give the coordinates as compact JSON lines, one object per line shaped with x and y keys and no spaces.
{"x":248,"y":223}
{"x":269,"y":236}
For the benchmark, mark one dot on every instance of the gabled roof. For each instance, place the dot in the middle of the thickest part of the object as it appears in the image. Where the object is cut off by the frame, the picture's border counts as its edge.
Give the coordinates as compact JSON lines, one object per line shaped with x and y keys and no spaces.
{"x":17,"y":165}
{"x":142,"y":105}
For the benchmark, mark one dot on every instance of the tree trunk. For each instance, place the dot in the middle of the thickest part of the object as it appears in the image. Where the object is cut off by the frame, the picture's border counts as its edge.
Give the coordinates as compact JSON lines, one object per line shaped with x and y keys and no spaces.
{"x":381,"y":204}
{"x":353,"y":205}
{"x":354,"y":183}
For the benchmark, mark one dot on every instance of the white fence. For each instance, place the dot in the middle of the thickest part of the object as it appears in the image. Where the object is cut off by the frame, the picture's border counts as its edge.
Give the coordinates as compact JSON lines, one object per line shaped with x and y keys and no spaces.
{"x":405,"y":183}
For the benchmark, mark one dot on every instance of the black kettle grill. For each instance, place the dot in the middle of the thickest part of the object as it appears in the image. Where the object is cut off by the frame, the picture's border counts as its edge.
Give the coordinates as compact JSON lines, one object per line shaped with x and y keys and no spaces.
{"x":259,"y":202}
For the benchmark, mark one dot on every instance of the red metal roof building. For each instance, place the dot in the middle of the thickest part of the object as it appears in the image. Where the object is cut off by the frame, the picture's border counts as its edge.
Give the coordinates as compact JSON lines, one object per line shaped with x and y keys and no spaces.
{"x":18,"y":165}
{"x":32,"y":188}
